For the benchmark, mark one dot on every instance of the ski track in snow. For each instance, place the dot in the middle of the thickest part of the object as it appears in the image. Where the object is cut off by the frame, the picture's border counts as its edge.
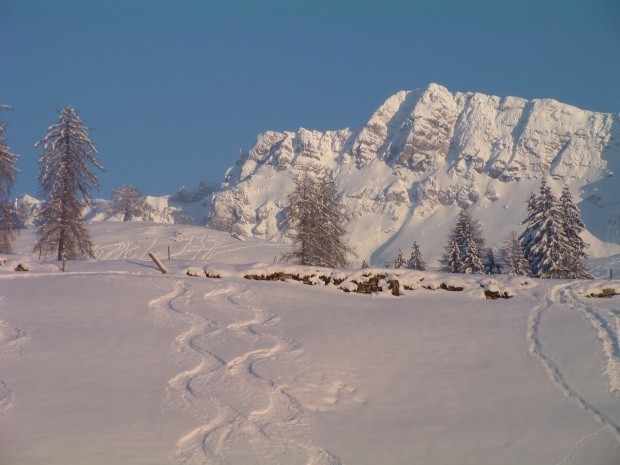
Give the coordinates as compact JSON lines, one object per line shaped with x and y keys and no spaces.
{"x":193,"y":246}
{"x":605,"y":332}
{"x":11,"y":337}
{"x":244,"y":414}
{"x":563,"y":294}
{"x":582,"y":441}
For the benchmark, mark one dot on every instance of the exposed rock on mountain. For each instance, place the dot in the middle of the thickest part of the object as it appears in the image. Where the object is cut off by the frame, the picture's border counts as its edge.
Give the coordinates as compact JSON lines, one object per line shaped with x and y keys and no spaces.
{"x":425,"y":154}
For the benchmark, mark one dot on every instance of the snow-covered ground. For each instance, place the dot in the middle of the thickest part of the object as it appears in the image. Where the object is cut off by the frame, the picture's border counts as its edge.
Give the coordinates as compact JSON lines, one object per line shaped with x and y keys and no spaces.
{"x":112,"y":362}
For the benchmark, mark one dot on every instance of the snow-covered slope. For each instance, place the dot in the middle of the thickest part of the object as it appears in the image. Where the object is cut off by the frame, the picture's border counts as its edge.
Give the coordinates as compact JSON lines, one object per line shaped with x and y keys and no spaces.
{"x":112,"y":362}
{"x":425,"y":154}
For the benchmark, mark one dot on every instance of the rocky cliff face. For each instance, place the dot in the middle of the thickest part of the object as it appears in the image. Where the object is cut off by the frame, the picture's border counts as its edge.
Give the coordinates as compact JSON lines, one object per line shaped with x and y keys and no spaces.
{"x":425,"y":154}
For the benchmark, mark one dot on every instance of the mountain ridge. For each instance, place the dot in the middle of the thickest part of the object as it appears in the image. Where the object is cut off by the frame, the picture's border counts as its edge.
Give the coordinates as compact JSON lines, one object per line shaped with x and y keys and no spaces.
{"x":425,"y":154}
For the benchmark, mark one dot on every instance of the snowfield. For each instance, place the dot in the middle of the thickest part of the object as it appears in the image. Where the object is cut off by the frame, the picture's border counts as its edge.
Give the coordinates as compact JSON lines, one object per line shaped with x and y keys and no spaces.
{"x":113,"y":362}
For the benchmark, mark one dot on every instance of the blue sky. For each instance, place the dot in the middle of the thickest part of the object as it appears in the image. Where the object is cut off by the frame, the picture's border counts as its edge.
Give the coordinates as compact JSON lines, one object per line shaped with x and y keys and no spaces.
{"x":173,"y":89}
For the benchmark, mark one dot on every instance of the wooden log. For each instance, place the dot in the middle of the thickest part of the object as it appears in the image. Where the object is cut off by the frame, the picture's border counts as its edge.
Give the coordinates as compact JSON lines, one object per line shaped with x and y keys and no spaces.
{"x":159,"y":264}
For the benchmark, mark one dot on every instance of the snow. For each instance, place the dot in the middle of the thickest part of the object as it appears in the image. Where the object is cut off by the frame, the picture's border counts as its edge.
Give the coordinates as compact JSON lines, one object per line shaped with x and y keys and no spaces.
{"x":426,"y":154}
{"x":113,"y":362}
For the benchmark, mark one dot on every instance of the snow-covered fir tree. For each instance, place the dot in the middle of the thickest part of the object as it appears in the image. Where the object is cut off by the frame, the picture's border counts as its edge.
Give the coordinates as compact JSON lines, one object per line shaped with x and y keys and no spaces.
{"x":365,"y":264}
{"x":451,"y":262}
{"x":512,"y":257}
{"x":573,"y":227}
{"x":466,"y":237}
{"x":65,"y":180}
{"x":416,"y":261}
{"x":548,"y":240}
{"x":400,"y":261}
{"x":471,"y":256}
{"x":128,"y":201}
{"x":314,"y":221}
{"x":8,"y":213}
{"x":491,"y":265}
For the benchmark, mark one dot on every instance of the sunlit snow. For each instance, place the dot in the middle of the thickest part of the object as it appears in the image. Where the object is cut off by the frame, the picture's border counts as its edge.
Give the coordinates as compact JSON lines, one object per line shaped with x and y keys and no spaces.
{"x":113,"y":362}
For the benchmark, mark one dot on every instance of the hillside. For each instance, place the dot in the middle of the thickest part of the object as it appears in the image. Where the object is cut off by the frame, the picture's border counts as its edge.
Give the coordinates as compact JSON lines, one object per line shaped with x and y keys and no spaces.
{"x":113,"y":362}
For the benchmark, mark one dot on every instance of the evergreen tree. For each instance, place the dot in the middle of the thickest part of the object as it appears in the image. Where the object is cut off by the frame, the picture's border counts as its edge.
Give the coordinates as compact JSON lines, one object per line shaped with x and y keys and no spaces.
{"x":466,"y":237}
{"x":573,"y":227}
{"x":65,"y":176}
{"x":300,"y":221}
{"x":335,"y":250}
{"x":365,"y":264}
{"x":315,"y":220}
{"x":472,"y":256}
{"x":128,"y":201}
{"x":544,"y":240}
{"x":453,"y":263}
{"x":8,"y":213}
{"x":400,"y":262}
{"x":532,"y":211}
{"x":416,"y":261}
{"x":512,"y":256}
{"x":491,"y":266}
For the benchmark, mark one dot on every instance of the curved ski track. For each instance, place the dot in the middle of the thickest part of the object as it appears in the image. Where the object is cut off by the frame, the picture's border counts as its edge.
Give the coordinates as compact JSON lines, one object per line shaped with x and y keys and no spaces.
{"x":564,"y":294}
{"x":244,"y":414}
{"x":11,"y":338}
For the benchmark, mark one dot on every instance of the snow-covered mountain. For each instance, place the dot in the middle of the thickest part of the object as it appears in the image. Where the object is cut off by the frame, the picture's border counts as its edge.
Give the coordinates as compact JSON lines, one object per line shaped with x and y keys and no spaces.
{"x":426,"y":154}
{"x":168,"y":209}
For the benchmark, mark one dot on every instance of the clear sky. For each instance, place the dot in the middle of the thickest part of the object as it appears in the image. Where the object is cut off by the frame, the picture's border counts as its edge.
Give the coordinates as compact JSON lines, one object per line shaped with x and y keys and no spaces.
{"x":173,"y":89}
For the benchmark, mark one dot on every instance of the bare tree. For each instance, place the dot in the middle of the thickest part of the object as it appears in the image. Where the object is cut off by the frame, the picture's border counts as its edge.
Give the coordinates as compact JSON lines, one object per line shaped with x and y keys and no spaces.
{"x":300,"y":222}
{"x":8,"y":214}
{"x":314,"y":221}
{"x":129,"y":201}
{"x":65,"y":180}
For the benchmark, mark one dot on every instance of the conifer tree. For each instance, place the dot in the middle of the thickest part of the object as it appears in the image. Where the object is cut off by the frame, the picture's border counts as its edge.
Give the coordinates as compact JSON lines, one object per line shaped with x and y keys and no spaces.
{"x":472,"y":256}
{"x":8,"y":213}
{"x":512,"y":256}
{"x":466,"y":237}
{"x":365,"y":264}
{"x":573,"y":227}
{"x":400,"y":261}
{"x":491,"y":266}
{"x":65,"y":180}
{"x":416,"y":261}
{"x":546,"y":241}
{"x":128,"y":201}
{"x":335,"y":250}
{"x":453,"y":263}
{"x":300,"y":221}
{"x":315,"y":220}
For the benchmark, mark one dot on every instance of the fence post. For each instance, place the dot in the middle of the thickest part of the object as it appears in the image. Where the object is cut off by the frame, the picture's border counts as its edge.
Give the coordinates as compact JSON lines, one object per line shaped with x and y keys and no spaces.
{"x":159,"y":264}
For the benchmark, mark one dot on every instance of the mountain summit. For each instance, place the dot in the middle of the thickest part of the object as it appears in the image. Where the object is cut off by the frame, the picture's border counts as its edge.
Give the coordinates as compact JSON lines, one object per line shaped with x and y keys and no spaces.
{"x":424,"y":155}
